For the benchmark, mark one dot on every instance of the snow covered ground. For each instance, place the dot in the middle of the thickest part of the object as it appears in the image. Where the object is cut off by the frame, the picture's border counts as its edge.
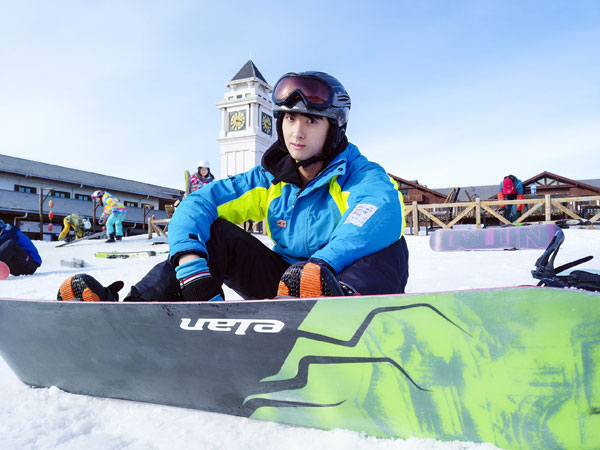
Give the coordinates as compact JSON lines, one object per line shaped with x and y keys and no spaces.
{"x":52,"y":419}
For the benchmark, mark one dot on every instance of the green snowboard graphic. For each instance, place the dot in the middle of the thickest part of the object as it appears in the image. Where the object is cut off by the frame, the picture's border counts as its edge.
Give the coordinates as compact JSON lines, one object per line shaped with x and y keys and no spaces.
{"x":523,"y":372}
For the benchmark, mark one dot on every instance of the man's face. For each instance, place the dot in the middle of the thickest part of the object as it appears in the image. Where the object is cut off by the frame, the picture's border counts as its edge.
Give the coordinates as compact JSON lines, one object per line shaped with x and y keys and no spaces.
{"x":304,"y":136}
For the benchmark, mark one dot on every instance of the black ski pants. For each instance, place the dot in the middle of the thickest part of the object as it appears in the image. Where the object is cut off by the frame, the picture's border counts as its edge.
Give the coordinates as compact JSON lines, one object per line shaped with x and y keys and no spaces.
{"x":243,"y":263}
{"x":17,"y":259}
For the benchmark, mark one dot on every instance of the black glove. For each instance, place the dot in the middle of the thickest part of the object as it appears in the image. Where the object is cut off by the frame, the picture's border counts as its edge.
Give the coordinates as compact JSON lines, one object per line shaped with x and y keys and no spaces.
{"x":196,"y":282}
{"x":309,"y":279}
{"x":84,"y":287}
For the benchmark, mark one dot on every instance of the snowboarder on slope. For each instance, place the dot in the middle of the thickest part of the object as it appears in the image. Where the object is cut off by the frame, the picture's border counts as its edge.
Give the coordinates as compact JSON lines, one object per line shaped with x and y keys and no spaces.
{"x":17,"y":251}
{"x":114,"y":213}
{"x":336,"y":218}
{"x":78,"y":223}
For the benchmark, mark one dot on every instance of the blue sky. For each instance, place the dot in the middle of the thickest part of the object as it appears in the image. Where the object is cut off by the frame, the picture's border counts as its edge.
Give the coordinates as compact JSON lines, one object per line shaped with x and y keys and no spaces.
{"x":450,"y":93}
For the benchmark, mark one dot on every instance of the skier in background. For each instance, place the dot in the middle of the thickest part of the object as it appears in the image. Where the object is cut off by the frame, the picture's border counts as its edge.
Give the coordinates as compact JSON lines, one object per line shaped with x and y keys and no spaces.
{"x":198,"y":179}
{"x":17,"y":251}
{"x":511,"y":188}
{"x":114,"y":213}
{"x":336,"y":218}
{"x":78,"y":223}
{"x":202,"y":176}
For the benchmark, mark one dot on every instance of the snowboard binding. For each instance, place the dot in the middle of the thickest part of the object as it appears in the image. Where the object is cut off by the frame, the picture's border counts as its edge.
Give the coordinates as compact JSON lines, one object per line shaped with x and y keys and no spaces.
{"x":549,"y":275}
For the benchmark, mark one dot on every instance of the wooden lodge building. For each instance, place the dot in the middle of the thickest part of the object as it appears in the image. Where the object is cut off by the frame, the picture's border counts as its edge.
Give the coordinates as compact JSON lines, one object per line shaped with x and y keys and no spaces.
{"x":26,"y":188}
{"x":545,"y":183}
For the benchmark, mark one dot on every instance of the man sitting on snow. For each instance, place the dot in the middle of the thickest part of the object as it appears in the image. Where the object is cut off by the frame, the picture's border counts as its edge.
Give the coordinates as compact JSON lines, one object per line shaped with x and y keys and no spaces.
{"x":336,"y":218}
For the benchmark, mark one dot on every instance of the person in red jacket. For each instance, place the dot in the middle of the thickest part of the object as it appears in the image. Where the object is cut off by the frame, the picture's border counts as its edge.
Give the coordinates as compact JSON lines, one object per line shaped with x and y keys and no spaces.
{"x":511,"y":188}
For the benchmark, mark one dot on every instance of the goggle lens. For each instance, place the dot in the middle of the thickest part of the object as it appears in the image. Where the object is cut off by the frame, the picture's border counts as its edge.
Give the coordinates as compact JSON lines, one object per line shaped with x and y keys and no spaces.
{"x":313,"y":90}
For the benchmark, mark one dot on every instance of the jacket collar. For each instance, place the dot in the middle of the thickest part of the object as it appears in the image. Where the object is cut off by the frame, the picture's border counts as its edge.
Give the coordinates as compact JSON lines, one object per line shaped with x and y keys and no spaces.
{"x":277,"y":161}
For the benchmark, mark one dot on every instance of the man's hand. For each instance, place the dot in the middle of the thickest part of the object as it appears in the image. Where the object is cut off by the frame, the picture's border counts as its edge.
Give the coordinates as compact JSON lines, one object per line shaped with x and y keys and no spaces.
{"x":195,"y":280}
{"x":309,"y":279}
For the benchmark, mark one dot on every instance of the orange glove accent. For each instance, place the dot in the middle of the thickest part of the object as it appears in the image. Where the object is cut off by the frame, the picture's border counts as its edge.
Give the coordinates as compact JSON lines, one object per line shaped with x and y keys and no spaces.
{"x":309,"y":279}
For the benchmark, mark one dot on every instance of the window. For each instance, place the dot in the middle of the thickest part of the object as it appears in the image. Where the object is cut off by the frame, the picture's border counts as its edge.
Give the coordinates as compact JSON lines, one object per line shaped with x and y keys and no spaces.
{"x":404,"y":191}
{"x":146,"y":206}
{"x":25,"y":189}
{"x":238,"y":96}
{"x":87,"y":198}
{"x":61,"y":194}
{"x":131,"y":204}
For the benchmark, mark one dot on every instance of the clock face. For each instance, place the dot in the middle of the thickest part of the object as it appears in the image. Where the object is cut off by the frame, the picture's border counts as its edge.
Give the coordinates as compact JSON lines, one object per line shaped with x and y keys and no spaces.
{"x":267,"y":124}
{"x":237,"y":120}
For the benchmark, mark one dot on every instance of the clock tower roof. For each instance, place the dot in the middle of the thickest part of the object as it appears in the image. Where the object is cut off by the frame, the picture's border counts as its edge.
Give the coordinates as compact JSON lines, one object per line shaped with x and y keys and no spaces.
{"x":249,"y":70}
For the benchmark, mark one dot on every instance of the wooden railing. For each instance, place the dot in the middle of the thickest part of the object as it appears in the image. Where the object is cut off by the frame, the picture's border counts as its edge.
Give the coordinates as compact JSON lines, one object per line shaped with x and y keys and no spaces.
{"x":154,"y":227}
{"x":541,"y":206}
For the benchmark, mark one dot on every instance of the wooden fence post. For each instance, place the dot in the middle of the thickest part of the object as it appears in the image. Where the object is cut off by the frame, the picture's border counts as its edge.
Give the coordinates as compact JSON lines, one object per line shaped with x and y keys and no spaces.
{"x":150,"y":230}
{"x":478,"y":212}
{"x":415,"y":219}
{"x":548,"y":207}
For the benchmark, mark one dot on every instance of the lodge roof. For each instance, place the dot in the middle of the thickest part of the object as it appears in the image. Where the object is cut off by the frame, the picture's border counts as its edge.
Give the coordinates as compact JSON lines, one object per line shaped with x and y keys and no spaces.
{"x":490,"y":191}
{"x":44,"y":171}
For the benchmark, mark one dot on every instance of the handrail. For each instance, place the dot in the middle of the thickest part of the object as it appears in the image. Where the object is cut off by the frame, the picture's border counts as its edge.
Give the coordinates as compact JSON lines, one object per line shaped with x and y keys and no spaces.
{"x":153,"y":227}
{"x":546,"y":204}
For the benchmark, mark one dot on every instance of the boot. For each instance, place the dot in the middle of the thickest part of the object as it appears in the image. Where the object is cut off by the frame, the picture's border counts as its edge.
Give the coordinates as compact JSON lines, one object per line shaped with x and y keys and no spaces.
{"x":118,"y":238}
{"x":111,"y":238}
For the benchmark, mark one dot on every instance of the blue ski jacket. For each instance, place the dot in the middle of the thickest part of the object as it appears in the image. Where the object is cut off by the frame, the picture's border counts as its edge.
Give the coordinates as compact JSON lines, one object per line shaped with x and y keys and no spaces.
{"x":13,"y":233}
{"x":350,"y":210}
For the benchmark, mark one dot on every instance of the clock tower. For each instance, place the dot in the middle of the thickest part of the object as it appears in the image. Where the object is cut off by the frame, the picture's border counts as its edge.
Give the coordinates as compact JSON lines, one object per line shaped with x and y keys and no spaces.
{"x":247,"y":124}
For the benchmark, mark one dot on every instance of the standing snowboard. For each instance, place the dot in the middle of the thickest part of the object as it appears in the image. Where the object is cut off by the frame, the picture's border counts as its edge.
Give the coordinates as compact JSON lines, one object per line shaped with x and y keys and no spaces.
{"x":501,"y":238}
{"x":187,"y":182}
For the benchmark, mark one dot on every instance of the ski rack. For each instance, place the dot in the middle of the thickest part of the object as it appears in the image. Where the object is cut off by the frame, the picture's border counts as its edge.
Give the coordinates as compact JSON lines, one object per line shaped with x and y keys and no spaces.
{"x":548,"y":275}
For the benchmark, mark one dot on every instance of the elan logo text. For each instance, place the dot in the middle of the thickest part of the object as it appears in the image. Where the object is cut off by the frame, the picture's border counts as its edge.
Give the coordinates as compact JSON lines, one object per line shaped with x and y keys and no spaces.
{"x":239,"y":325}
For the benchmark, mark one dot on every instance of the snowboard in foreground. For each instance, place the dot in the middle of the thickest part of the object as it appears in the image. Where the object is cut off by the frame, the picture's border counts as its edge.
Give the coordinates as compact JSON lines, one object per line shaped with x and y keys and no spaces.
{"x":507,"y":238}
{"x":516,"y":367}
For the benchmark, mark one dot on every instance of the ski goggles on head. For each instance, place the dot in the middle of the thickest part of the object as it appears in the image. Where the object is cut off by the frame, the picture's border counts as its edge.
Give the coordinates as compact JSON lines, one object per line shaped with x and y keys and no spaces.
{"x":314,"y":92}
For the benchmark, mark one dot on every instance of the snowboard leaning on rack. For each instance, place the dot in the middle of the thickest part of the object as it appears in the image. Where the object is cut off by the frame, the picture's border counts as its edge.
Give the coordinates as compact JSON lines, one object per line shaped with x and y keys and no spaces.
{"x":496,"y":238}
{"x":187,"y":182}
{"x":516,"y":367}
